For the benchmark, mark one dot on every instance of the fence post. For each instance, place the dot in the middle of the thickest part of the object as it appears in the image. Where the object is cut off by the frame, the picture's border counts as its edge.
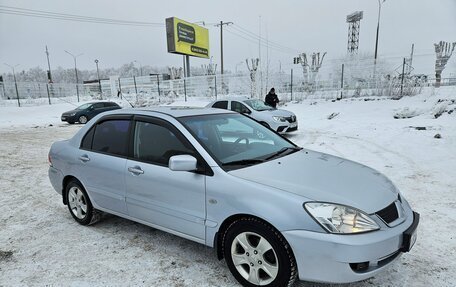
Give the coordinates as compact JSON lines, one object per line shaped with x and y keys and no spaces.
{"x":17,"y":92}
{"x":291,"y":85}
{"x":158,"y":87}
{"x":136,"y":89}
{"x":49,"y":95}
{"x":3,"y":88}
{"x":215,"y":81}
{"x":402,"y":80}
{"x":342,"y":83}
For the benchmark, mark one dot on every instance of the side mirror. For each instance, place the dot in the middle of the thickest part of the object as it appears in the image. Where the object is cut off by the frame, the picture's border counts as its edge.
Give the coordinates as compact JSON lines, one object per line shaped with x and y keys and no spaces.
{"x":183,"y":162}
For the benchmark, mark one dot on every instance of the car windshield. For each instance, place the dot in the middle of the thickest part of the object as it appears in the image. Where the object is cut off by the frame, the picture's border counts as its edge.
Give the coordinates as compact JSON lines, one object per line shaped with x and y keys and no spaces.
{"x":258,"y":105}
{"x":83,"y":107}
{"x":236,"y":141}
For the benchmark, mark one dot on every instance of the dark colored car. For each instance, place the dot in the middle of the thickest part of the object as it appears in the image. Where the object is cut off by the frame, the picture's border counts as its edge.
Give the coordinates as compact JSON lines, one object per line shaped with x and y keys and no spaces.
{"x":84,"y":113}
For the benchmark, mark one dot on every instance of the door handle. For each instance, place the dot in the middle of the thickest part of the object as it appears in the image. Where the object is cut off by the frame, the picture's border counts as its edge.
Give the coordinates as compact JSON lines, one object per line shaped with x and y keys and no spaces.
{"x":136,"y":170}
{"x":84,"y":158}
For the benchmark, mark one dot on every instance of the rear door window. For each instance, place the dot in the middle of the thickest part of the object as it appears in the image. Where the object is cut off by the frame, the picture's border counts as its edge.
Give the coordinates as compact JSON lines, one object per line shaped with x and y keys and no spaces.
{"x":111,"y":137}
{"x":98,"y":106}
{"x":221,"y":105}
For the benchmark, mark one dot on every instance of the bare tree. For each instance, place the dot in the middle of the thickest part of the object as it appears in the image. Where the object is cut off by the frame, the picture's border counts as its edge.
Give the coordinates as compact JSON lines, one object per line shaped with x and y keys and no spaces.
{"x":443,"y":52}
{"x":253,"y":70}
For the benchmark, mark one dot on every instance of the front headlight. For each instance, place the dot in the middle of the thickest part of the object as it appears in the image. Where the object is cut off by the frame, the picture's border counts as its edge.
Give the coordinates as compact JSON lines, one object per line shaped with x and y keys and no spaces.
{"x":340,"y":219}
{"x":279,"y":119}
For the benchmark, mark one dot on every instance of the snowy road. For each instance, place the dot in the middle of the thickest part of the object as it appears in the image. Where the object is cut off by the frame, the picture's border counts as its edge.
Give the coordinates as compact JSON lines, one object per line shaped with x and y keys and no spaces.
{"x":40,"y":243}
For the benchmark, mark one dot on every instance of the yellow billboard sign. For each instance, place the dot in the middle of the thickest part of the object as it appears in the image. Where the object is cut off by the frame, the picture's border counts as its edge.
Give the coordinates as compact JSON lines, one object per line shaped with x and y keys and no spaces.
{"x":186,"y":38}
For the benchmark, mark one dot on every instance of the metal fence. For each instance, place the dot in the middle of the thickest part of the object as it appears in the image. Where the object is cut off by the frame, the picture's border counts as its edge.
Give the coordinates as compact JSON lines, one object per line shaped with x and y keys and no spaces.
{"x":150,"y":90}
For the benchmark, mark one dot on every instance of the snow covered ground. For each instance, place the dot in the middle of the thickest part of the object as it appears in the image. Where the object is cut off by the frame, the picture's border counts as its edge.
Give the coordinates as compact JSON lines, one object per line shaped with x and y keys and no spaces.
{"x":41,"y":245}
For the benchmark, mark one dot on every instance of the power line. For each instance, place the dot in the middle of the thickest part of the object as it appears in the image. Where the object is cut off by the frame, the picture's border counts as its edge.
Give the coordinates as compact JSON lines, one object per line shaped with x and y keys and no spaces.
{"x":256,"y":42}
{"x":72,"y":17}
{"x":257,"y":37}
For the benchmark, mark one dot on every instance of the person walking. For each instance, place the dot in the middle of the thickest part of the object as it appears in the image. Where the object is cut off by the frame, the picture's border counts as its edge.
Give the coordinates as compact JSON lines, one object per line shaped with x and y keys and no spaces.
{"x":271,"y":98}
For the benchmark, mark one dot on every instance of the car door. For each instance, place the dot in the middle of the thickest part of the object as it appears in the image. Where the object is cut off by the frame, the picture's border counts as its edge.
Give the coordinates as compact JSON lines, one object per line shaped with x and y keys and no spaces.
{"x":102,"y":161}
{"x":174,"y":200}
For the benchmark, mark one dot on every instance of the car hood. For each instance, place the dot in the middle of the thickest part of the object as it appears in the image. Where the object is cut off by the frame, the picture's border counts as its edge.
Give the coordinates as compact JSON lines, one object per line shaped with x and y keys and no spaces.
{"x":322,"y":177}
{"x":278,"y":112}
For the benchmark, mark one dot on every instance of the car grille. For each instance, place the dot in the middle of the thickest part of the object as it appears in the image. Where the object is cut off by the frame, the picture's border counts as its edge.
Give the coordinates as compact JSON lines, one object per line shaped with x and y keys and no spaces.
{"x":389,"y":213}
{"x":291,"y":119}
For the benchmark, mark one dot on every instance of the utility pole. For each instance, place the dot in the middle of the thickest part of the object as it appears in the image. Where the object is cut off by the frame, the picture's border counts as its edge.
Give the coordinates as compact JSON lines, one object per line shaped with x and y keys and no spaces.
{"x":403,"y":76}
{"x":75,"y":71}
{"x":15,"y":82}
{"x":49,"y":65}
{"x":221,"y":41}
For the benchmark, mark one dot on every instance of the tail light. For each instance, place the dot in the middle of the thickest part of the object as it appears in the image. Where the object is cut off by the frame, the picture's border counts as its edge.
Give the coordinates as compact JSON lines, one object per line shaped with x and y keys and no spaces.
{"x":50,"y":159}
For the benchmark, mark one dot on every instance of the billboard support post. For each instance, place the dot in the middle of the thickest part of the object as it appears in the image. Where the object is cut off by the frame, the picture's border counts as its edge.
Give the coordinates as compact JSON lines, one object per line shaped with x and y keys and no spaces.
{"x":187,"y":64}
{"x":185,"y":90}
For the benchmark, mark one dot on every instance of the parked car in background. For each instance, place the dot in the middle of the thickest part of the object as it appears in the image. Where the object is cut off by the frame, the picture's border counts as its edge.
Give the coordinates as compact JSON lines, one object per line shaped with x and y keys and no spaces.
{"x":279,"y":120}
{"x":273,"y":210}
{"x":85,"y":112}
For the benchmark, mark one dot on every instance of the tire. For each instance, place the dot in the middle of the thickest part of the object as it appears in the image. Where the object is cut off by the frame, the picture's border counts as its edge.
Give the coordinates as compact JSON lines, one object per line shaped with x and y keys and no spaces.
{"x":258,"y":255}
{"x":79,"y":204}
{"x":83,"y":119}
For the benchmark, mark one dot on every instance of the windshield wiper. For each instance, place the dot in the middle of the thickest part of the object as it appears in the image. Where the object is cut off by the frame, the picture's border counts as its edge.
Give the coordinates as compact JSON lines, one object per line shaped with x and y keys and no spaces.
{"x":282,"y":150}
{"x":244,"y":162}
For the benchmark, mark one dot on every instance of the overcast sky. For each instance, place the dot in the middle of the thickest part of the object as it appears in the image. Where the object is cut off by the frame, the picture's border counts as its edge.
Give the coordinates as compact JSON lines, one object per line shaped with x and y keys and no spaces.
{"x":302,"y":25}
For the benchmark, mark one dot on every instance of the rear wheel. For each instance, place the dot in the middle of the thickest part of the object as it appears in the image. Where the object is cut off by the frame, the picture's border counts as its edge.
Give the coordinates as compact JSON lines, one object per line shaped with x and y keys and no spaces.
{"x":83,"y":119}
{"x":258,"y":255}
{"x":79,"y":204}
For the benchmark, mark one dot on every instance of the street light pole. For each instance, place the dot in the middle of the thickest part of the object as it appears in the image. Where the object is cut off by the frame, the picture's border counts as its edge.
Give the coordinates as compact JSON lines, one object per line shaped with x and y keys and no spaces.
{"x":378,"y":27}
{"x":75,"y":71}
{"x":15,"y":82}
{"x":98,"y":75}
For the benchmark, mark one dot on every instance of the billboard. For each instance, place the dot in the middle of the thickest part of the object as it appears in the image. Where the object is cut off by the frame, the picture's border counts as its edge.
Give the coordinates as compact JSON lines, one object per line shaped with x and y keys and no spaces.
{"x":186,"y":38}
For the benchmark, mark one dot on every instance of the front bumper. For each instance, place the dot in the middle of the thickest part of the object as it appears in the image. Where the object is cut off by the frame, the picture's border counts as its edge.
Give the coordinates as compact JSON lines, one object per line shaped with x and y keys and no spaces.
{"x":331,"y":258}
{"x":285,"y":127}
{"x":68,"y":118}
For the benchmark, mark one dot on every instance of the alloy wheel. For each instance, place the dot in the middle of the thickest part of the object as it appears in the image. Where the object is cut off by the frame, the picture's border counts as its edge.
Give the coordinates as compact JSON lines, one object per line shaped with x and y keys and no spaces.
{"x":254,"y":258}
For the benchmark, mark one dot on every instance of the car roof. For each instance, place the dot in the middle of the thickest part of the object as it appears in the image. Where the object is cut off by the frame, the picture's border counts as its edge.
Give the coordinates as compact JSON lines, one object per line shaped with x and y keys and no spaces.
{"x":173,"y":111}
{"x":238,"y":99}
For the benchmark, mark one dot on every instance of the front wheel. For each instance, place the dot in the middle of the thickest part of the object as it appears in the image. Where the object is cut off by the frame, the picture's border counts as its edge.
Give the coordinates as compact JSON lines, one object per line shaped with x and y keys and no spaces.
{"x":258,"y":255}
{"x":83,"y":119}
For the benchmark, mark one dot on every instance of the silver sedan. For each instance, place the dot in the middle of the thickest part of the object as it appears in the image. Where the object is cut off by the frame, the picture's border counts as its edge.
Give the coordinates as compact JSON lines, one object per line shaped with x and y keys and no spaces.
{"x":274,"y":211}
